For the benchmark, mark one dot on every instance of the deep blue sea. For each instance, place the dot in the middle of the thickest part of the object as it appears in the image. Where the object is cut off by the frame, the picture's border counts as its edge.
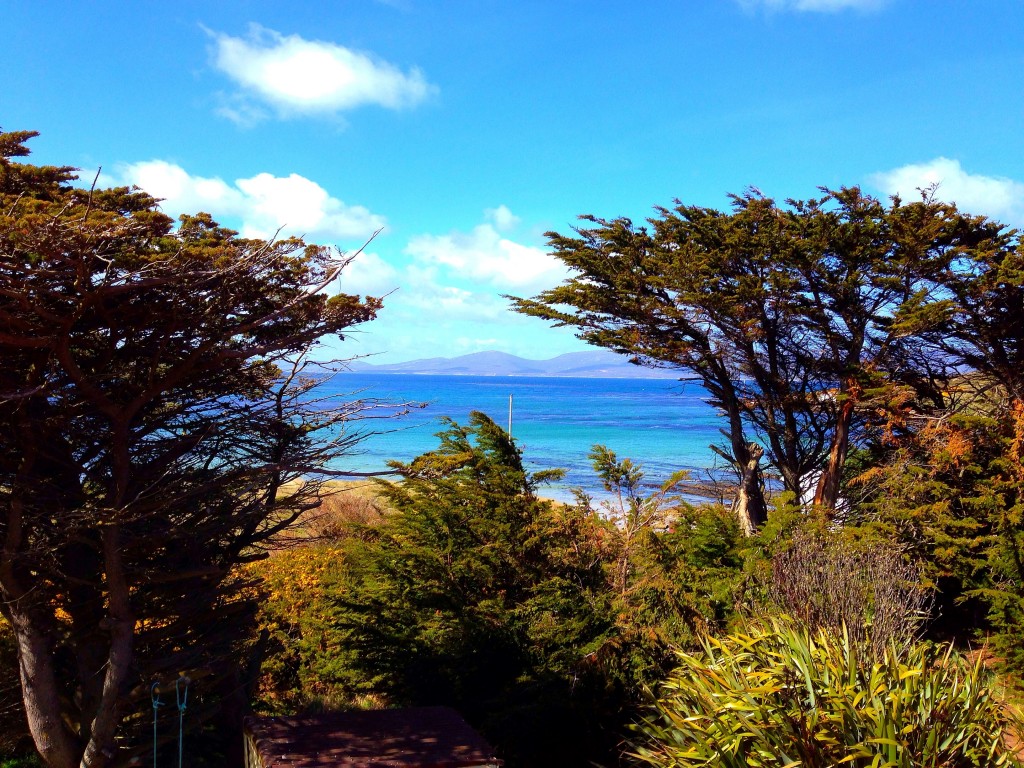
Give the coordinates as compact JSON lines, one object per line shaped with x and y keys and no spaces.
{"x":662,"y":424}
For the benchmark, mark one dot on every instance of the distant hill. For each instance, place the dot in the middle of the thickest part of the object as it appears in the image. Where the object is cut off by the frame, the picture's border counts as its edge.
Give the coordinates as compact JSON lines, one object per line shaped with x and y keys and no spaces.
{"x":596,"y":364}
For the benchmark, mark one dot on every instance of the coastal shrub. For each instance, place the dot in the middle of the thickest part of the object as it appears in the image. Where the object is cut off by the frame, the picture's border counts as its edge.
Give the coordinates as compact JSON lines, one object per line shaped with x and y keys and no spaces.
{"x":781,"y":695}
{"x":460,"y":585}
{"x":476,"y":593}
{"x":304,"y":652}
{"x":541,"y":621}
{"x":673,"y":569}
{"x":952,"y":493}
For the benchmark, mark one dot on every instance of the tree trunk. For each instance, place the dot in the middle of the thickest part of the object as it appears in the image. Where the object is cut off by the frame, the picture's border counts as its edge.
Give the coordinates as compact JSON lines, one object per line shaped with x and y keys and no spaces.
{"x":33,"y":632}
{"x":101,"y":748}
{"x":85,"y":605}
{"x":54,"y":741}
{"x":750,"y":508}
{"x":826,"y":495}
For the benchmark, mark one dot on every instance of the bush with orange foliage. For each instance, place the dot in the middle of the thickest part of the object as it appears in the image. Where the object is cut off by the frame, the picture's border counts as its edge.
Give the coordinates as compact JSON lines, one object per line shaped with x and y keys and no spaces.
{"x":952,"y":495}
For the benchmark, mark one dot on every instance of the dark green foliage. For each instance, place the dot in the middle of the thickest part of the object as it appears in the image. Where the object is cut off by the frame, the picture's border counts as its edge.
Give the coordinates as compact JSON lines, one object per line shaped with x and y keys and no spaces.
{"x":477,"y":594}
{"x":674,"y":568}
{"x":152,"y":415}
{"x":540,"y":621}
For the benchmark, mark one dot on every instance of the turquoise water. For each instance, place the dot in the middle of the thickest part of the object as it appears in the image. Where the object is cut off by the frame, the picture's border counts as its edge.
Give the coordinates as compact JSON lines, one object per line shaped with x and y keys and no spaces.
{"x":662,"y":424}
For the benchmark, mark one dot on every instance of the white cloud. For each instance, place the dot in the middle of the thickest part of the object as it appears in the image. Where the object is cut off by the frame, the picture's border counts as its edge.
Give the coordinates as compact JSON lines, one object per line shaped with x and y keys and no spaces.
{"x":484,"y":255}
{"x":996,"y":196}
{"x":263,"y":203}
{"x":450,"y":291}
{"x":299,"y":76}
{"x":502,"y":218}
{"x":819,"y":6}
{"x":427,"y":292}
{"x":369,"y":275}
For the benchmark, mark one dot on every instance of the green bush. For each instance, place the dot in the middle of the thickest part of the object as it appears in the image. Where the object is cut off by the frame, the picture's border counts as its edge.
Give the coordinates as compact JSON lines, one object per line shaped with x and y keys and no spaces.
{"x":28,"y":761}
{"x":476,"y":593}
{"x":781,"y":696}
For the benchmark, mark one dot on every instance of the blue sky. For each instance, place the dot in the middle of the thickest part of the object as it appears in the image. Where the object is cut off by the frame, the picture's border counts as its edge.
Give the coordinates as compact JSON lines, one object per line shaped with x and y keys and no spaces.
{"x":468,"y":129}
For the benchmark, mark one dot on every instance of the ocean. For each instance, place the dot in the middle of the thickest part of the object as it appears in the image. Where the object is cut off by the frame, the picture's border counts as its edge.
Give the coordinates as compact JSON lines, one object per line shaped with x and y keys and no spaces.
{"x":661,"y":424}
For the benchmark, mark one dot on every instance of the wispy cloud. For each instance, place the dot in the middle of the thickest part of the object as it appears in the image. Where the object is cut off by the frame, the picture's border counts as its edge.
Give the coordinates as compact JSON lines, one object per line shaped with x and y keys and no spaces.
{"x":295,"y":76}
{"x":996,"y":196}
{"x":369,"y":275}
{"x":814,"y":6}
{"x":263,"y":203}
{"x":450,"y":289}
{"x":486,"y":255}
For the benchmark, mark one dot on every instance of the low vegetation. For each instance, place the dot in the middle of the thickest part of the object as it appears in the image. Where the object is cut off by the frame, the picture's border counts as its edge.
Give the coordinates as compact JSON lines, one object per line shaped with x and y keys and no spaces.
{"x":545,"y":623}
{"x":779,"y":694}
{"x":540,"y":621}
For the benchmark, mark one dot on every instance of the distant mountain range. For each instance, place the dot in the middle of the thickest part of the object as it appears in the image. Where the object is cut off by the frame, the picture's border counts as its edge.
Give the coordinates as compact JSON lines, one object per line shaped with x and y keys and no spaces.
{"x":598,"y":364}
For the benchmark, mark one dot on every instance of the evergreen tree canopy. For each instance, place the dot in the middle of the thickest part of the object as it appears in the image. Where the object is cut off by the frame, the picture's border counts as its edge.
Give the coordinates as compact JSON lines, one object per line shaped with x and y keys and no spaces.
{"x":153,"y":421}
{"x":477,"y":594}
{"x":787,"y":315}
{"x":466,"y":581}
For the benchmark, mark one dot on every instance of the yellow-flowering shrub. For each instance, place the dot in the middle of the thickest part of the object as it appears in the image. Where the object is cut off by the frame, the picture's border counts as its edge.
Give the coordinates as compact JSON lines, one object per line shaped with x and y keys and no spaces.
{"x":304,"y":647}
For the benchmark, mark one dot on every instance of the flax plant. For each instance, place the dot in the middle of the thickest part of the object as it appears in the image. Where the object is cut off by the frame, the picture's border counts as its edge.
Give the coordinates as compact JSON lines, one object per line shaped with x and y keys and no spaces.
{"x":779,"y":695}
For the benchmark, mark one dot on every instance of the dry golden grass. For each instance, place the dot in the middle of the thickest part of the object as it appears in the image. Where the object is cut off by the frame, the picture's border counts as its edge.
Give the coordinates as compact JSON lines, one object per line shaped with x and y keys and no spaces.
{"x":345,"y":506}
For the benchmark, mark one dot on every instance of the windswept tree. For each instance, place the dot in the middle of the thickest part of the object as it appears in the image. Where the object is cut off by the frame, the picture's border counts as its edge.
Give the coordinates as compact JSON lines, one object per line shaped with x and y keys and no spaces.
{"x":786,"y":315}
{"x":983,"y":328}
{"x":154,"y":416}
